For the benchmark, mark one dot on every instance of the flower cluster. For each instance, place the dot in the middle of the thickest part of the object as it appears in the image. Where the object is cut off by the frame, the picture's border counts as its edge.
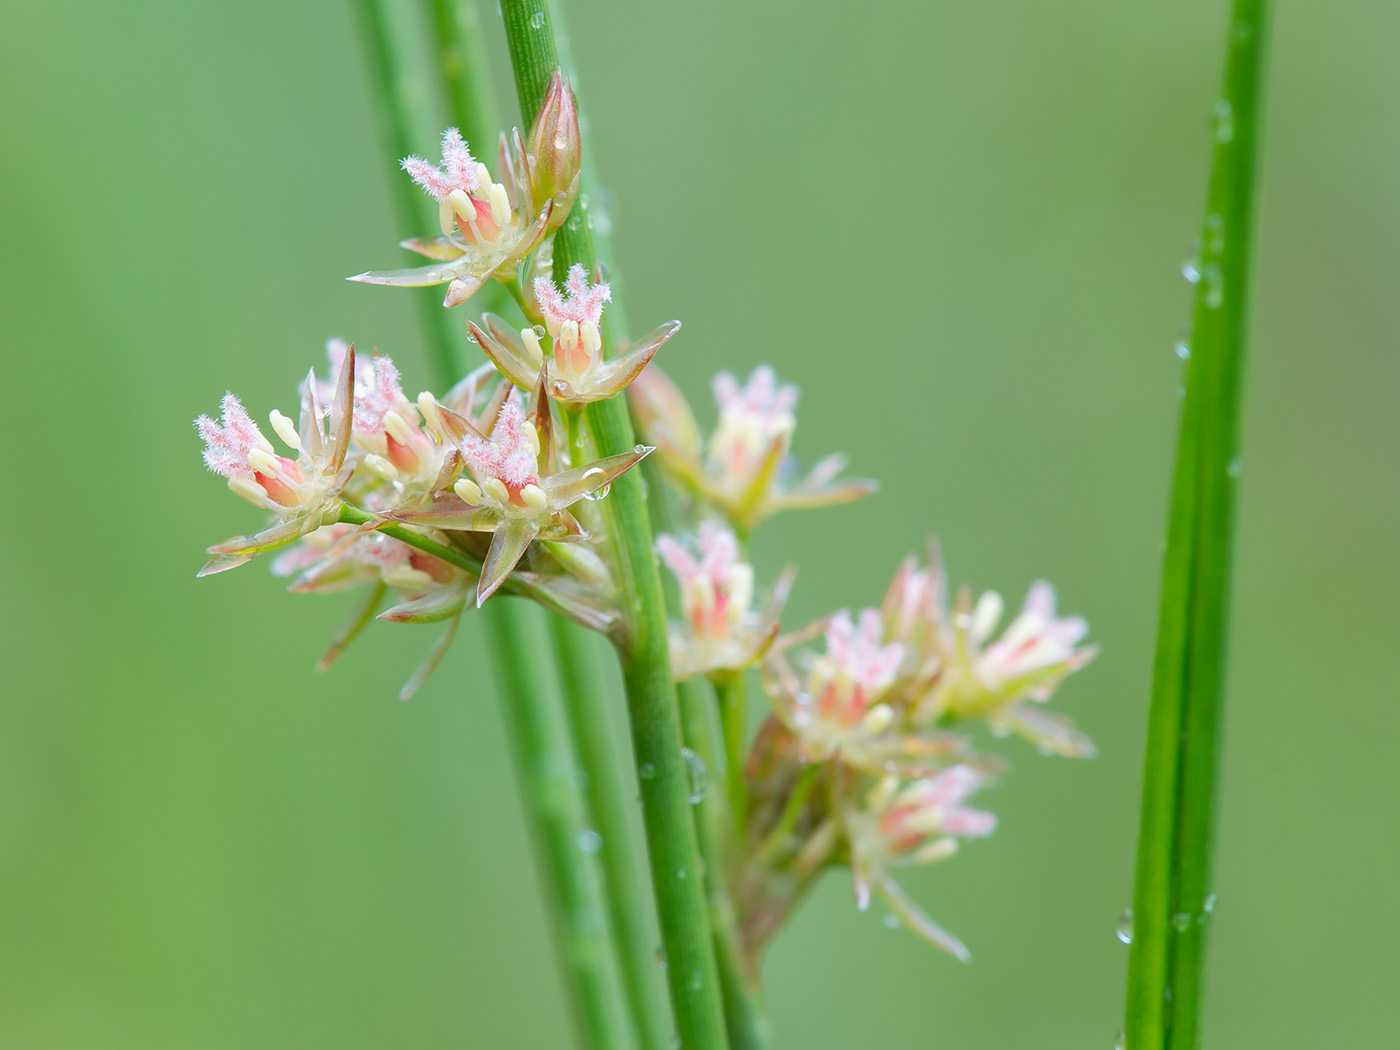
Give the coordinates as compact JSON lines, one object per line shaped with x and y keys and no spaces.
{"x":430,"y":505}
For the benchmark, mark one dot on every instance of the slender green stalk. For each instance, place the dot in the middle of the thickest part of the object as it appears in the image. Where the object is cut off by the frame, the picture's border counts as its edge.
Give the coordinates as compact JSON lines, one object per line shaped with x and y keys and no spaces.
{"x":743,"y":1011}
{"x":540,"y":735}
{"x":1172,"y":901}
{"x":402,"y":101}
{"x":532,"y":707}
{"x":585,"y":697}
{"x":734,"y":716}
{"x":462,"y":70}
{"x":677,"y":872}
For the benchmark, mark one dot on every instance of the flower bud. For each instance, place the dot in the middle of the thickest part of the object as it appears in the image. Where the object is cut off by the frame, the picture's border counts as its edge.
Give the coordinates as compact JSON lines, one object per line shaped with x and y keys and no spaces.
{"x":554,"y":147}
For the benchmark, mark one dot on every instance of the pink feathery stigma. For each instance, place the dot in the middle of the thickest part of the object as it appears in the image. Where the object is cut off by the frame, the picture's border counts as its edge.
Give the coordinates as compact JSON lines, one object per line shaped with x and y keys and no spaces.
{"x":583,"y":305}
{"x":380,"y":396}
{"x":1035,"y":639}
{"x":906,"y":822}
{"x":719,"y":550}
{"x":506,"y":455}
{"x":706,"y":582}
{"x":761,"y":395}
{"x":679,"y":560}
{"x":227,"y":446}
{"x":457,"y":172}
{"x":856,"y":650}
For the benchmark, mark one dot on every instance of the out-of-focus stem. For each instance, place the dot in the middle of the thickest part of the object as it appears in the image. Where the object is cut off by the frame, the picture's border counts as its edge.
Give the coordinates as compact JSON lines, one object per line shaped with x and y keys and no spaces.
{"x":734,"y":715}
{"x":402,"y":102}
{"x":543,"y":755}
{"x":586,"y":696}
{"x":677,"y":871}
{"x":547,"y":778}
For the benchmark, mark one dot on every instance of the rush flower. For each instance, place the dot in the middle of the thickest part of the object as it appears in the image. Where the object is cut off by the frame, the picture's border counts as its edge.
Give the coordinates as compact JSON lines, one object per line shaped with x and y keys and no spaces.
{"x":302,"y":493}
{"x":484,"y":229}
{"x":574,"y":358}
{"x":1000,"y":680}
{"x":721,"y":633}
{"x":845,"y":707}
{"x":512,"y":490}
{"x":745,"y":467}
{"x":915,"y":823}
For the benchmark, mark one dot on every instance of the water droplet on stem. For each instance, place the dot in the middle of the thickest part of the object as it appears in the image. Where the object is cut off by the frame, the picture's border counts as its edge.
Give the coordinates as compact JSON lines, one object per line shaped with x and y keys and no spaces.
{"x":1124,"y":930}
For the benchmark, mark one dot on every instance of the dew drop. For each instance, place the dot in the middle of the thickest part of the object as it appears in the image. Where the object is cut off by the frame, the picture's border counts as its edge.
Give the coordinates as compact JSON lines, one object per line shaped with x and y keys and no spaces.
{"x":1181,"y":921}
{"x":892,"y":922}
{"x":1224,"y":116}
{"x":1125,"y":927}
{"x":1121,"y":1043}
{"x":1208,"y":905}
{"x":660,"y":956}
{"x":537,"y":20}
{"x":589,"y":841}
{"x":1215,"y":286}
{"x":540,"y":332}
{"x":1215,"y":229}
{"x":561,"y":141}
{"x":1191,"y":270}
{"x":601,"y":491}
{"x":697,"y":776}
{"x":646,"y":771}
{"x":1183,"y":349}
{"x":1234,"y":468}
{"x":696,"y":982}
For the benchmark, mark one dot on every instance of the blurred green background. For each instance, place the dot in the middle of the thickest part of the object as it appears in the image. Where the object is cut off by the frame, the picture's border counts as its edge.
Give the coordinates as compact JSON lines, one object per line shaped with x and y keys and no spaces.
{"x":958,"y":227}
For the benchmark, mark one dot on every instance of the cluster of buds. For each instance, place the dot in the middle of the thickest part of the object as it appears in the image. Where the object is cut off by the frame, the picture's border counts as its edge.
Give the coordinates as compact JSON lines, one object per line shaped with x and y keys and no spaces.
{"x":432,"y":505}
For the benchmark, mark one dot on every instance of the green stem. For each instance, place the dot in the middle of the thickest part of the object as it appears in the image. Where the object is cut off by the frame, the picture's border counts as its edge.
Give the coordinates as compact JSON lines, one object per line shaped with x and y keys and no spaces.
{"x":531,"y":703}
{"x":540,"y":735}
{"x":401,"y":98}
{"x":463,"y":72}
{"x":677,"y":873}
{"x":585,"y":696}
{"x":743,"y":1011}
{"x":734,"y":717}
{"x":1172,"y":899}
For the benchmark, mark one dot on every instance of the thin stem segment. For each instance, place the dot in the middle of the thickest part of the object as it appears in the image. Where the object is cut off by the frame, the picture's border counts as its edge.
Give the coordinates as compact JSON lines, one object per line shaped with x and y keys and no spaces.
{"x":677,"y":873}
{"x":585,"y":697}
{"x":1172,"y":901}
{"x":539,"y":733}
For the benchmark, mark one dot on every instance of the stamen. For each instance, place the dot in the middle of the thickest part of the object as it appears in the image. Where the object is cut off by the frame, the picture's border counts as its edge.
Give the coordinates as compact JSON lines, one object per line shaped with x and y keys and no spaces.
{"x":427,"y":408}
{"x":568,"y":335}
{"x":249,"y":490}
{"x":381,"y":466}
{"x":496,"y":489}
{"x":468,"y":490}
{"x":532,"y":344}
{"x":286,"y":429}
{"x":500,"y":204}
{"x":534,"y":497}
{"x":592,"y":338}
{"x":877,"y":720}
{"x":264,"y":462}
{"x":407,"y":578}
{"x":397,"y":428}
{"x":938,"y":849}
